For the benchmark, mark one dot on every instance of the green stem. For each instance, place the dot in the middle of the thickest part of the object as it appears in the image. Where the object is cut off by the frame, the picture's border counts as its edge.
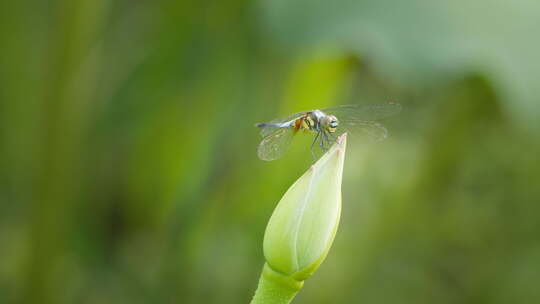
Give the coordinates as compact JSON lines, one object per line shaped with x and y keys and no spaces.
{"x":275,"y":288}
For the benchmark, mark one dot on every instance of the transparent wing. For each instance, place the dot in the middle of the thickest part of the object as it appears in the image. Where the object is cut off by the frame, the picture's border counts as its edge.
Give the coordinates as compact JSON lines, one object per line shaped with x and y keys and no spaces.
{"x":362,"y":129}
{"x":360,"y":120}
{"x":268,"y":128}
{"x":374,"y":111}
{"x":276,"y":144}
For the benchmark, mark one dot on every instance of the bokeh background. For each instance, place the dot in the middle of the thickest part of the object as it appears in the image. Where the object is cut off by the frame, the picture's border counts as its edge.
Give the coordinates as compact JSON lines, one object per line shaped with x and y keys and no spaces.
{"x":128,"y":166}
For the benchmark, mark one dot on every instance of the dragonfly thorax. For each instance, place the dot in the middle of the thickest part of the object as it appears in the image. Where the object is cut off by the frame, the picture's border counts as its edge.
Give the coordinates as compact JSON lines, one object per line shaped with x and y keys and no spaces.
{"x":316,"y":121}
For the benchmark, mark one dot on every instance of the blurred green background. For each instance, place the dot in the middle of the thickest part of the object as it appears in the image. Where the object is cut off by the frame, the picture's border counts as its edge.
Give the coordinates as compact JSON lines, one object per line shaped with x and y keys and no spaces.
{"x":129,"y":171}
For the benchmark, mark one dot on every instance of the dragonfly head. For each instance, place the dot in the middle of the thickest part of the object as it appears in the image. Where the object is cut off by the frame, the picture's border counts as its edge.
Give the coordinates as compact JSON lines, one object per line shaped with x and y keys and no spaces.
{"x":330,"y":123}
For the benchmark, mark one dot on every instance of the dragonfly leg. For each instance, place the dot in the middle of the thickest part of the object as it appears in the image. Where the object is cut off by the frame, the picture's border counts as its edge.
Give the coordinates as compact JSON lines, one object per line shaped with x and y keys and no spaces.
{"x":327,"y":141}
{"x":334,"y":138}
{"x":312,"y":144}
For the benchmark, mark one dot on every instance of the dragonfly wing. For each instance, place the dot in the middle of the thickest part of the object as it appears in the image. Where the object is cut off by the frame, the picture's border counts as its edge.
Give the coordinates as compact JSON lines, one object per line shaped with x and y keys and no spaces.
{"x":362,"y":129}
{"x":268,"y":128}
{"x":374,"y":111}
{"x":276,"y":144}
{"x":360,"y":120}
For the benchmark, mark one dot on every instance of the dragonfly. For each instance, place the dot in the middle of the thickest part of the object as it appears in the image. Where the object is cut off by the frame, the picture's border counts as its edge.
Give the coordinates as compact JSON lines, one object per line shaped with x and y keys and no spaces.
{"x":326,"y":125}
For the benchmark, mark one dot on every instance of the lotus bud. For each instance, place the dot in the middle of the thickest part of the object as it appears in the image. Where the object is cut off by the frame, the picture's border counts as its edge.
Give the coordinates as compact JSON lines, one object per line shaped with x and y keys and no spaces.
{"x":302,"y":228}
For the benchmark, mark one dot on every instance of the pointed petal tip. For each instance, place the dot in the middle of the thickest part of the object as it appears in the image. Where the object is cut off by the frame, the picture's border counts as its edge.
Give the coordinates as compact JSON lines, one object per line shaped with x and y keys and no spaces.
{"x":342,"y":139}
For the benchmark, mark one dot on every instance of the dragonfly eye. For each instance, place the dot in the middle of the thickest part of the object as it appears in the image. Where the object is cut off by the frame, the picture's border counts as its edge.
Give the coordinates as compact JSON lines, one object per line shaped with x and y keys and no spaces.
{"x":333,"y":124}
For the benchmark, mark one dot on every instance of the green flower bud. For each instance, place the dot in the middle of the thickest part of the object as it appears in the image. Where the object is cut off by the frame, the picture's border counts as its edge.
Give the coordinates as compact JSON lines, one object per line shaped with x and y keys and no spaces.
{"x":304,"y":223}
